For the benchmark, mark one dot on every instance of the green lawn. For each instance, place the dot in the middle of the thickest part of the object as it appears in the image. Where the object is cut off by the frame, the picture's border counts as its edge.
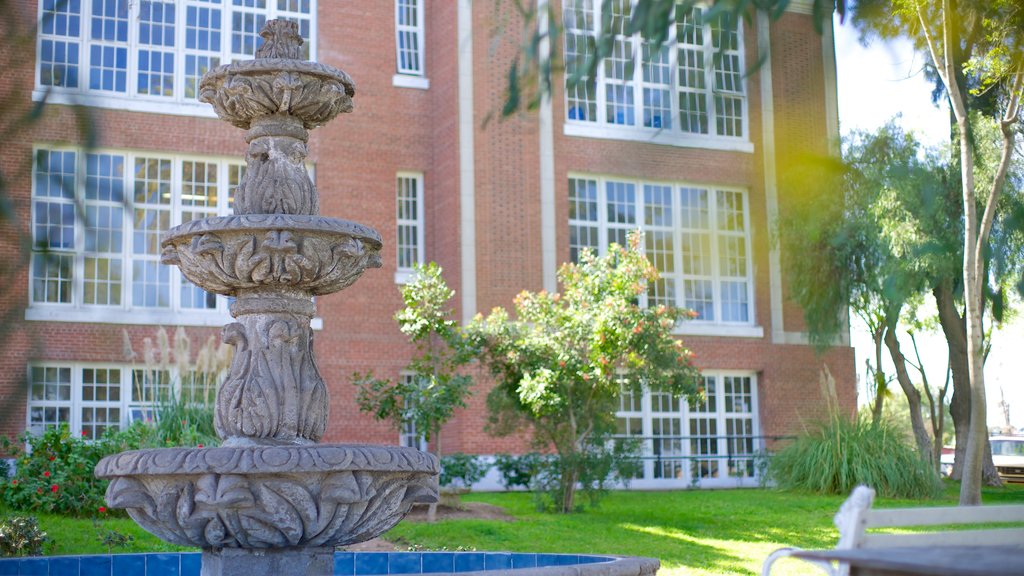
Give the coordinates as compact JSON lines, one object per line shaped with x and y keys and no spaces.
{"x":699,"y":532}
{"x":691,"y":532}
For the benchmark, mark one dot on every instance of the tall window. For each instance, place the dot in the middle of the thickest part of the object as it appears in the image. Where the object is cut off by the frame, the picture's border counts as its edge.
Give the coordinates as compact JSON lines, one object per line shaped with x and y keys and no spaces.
{"x":152,"y":49}
{"x":698,"y":238}
{"x":691,"y":86}
{"x":410,"y":436}
{"x":97,"y":221}
{"x":409,"y":218}
{"x":713,"y":440}
{"x":409,"y":37}
{"x":91,"y":399}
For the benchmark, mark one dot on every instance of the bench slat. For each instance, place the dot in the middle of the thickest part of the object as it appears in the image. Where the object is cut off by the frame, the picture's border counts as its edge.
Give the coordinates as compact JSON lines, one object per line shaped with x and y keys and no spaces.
{"x":893,"y":517}
{"x":993,"y":537}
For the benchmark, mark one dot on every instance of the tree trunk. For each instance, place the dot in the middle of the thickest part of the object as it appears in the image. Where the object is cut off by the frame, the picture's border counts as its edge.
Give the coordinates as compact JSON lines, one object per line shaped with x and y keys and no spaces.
{"x":880,"y":383}
{"x":955,"y":331}
{"x":924,"y":442}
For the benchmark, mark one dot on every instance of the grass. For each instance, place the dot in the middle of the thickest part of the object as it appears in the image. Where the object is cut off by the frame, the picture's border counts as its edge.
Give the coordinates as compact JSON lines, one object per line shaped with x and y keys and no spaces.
{"x":698,"y":532}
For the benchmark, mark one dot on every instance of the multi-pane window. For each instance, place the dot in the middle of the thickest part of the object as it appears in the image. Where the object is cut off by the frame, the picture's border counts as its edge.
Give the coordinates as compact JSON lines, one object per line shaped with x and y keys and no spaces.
{"x":409,"y":37}
{"x":410,"y":436}
{"x":409,"y":218}
{"x":691,"y":85}
{"x":697,"y":237}
{"x":712,"y":439}
{"x":152,"y":48}
{"x":107,"y":254}
{"x":92,"y":399}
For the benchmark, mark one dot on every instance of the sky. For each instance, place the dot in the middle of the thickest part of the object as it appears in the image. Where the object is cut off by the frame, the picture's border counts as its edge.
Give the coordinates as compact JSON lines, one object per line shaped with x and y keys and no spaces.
{"x":876,"y":83}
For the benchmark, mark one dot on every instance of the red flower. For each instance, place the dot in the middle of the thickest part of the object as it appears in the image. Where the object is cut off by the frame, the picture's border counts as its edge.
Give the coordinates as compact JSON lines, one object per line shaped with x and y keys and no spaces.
{"x":46,"y":474}
{"x":39,"y":490}
{"x":103,"y":509}
{"x":200,"y":445}
{"x":14,"y":482}
{"x":84,"y":433}
{"x":54,"y":488}
{"x":52,"y":458}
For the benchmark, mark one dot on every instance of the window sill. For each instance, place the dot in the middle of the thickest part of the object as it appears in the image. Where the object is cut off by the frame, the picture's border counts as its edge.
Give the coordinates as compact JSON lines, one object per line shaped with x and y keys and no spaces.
{"x":123,"y":102}
{"x":656,"y":136}
{"x":154,"y":317}
{"x":118,"y":316}
{"x":408,"y":81}
{"x":404,"y":276}
{"x":727,"y":330}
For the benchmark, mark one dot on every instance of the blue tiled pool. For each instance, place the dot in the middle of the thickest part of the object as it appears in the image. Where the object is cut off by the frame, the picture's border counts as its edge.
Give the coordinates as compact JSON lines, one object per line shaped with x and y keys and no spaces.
{"x":345,"y":563}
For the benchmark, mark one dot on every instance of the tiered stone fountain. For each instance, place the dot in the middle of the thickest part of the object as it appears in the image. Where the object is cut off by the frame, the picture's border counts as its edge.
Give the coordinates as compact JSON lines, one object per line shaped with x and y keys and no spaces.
{"x":270,"y":499}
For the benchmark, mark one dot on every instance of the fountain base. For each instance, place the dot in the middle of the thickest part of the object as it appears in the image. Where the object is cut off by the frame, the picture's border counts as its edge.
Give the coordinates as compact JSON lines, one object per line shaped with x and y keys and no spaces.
{"x":277,"y":561}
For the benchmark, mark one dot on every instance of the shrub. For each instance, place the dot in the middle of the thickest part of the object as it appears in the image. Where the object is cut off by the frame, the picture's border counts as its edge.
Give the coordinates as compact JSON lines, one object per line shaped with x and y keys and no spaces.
{"x":835,"y":456}
{"x":461,"y":469}
{"x":518,"y":470}
{"x":600,"y":465}
{"x":56,"y":473}
{"x":21,"y":536}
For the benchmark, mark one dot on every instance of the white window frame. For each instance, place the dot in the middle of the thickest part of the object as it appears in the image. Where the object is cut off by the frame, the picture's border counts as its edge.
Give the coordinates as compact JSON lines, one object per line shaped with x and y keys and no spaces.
{"x":403,"y":274}
{"x":128,"y":405}
{"x":684,"y":415}
{"x":408,"y":436}
{"x":716,"y":327}
{"x":411,"y":76}
{"x":131,"y":99}
{"x":601,"y":128}
{"x":126,"y":312}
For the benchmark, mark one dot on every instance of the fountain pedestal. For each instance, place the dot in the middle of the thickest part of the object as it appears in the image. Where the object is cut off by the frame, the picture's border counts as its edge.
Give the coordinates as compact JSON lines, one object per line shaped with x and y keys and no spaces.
{"x":271,"y":500}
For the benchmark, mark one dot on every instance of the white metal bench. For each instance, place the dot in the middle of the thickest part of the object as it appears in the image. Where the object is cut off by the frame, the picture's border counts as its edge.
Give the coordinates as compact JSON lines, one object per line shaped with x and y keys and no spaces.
{"x":856,"y":516}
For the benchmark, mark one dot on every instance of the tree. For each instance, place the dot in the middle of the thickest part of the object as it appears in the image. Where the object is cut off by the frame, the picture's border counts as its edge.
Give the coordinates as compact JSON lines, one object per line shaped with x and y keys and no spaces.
{"x":562,"y":363}
{"x":976,"y":49}
{"x":437,"y":389}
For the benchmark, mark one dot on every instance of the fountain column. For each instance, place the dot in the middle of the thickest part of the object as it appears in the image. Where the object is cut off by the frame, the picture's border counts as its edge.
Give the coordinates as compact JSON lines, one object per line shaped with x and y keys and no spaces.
{"x":270,"y":499}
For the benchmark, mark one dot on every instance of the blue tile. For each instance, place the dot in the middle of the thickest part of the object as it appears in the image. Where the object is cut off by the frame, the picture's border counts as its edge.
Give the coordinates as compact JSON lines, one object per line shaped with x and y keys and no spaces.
{"x":547,"y":560}
{"x":129,"y":564}
{"x":469,"y":561}
{"x":34,"y":567}
{"x":498,"y":561}
{"x":371,"y":563}
{"x":524,"y":561}
{"x":404,"y":563}
{"x":191,"y":564}
{"x":163,"y":565}
{"x":8,"y":568}
{"x":344,"y":564}
{"x":64,"y":566}
{"x":95,"y":565}
{"x":593,"y":559}
{"x":438,"y":562}
{"x":566,"y":560}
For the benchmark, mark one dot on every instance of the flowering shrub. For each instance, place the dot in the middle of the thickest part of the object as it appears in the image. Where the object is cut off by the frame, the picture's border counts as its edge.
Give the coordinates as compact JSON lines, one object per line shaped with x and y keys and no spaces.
{"x":55,"y":474}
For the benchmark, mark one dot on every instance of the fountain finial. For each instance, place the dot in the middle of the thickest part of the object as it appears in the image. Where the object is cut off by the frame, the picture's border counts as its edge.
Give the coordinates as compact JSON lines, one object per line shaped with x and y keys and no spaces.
{"x":281,"y":39}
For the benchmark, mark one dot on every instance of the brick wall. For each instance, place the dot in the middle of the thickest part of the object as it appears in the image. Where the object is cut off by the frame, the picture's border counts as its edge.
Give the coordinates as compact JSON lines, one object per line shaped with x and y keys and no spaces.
{"x":403,"y":129}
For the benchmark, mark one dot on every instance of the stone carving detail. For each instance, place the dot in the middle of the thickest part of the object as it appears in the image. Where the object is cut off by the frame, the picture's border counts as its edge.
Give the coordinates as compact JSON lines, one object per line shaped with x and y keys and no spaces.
{"x":232,"y":260}
{"x":255,"y":511}
{"x":276,"y":180}
{"x":267,"y":460}
{"x":273,"y":390}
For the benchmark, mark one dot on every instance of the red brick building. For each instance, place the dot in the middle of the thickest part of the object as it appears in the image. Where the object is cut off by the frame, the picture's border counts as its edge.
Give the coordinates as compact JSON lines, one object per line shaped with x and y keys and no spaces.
{"x":681,"y":143}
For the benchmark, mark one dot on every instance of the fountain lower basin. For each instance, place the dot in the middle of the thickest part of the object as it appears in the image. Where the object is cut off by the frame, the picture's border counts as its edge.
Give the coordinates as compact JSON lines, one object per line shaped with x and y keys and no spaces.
{"x":269,"y":497}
